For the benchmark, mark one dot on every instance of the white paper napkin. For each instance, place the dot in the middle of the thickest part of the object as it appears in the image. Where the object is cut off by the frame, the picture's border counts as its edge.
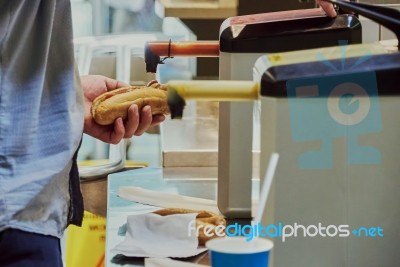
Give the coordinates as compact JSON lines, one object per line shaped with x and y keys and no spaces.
{"x":153,"y":235}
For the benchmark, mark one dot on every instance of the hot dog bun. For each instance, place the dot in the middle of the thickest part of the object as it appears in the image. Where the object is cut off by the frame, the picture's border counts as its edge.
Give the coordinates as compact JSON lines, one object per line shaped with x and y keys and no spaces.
{"x":114,"y":104}
{"x":204,"y":218}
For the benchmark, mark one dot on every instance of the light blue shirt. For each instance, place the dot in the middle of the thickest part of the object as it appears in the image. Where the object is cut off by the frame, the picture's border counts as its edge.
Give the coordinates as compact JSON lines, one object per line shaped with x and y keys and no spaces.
{"x":41,"y":114}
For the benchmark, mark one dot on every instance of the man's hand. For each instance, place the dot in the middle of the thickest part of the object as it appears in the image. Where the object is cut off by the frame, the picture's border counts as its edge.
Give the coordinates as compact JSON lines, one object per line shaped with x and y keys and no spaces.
{"x":136,"y":123}
{"x":327,"y":7}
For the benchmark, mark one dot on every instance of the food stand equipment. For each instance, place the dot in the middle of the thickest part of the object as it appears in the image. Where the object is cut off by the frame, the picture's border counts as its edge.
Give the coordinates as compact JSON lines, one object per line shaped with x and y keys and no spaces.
{"x":345,"y":188}
{"x":334,"y":123}
{"x":242,"y":40}
{"x":331,"y":115}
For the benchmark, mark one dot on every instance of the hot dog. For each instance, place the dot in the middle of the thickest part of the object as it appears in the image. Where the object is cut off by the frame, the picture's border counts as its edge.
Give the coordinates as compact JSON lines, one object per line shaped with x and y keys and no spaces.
{"x":114,"y":104}
{"x":204,"y":218}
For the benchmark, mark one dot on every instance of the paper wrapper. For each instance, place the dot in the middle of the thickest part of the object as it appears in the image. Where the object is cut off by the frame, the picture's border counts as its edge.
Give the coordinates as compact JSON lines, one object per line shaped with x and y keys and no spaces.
{"x":153,"y":235}
{"x":166,"y":200}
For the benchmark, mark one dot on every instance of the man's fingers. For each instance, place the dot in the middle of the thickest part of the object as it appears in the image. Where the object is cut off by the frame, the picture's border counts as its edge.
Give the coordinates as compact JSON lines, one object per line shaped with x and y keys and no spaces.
{"x":112,"y":84}
{"x":118,"y":133}
{"x":145,"y":120}
{"x":136,"y":123}
{"x":157,"y":119}
{"x":132,"y":123}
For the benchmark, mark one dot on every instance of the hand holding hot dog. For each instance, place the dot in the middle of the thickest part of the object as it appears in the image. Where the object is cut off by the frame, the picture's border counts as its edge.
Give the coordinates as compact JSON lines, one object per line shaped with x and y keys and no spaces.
{"x":136,"y":122}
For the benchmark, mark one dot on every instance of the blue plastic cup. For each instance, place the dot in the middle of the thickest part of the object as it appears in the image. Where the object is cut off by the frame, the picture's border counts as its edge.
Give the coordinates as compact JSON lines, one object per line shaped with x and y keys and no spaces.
{"x":237,"y":252}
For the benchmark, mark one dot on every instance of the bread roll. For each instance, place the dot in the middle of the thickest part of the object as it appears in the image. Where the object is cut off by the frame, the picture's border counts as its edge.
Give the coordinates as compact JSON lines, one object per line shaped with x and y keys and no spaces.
{"x":204,"y":218}
{"x":111,"y":105}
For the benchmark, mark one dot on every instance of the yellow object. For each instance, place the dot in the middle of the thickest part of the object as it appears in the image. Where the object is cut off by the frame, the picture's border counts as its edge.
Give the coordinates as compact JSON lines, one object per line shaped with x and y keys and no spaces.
{"x":85,"y":246}
{"x":328,"y":53}
{"x":216,"y":90}
{"x":96,"y":162}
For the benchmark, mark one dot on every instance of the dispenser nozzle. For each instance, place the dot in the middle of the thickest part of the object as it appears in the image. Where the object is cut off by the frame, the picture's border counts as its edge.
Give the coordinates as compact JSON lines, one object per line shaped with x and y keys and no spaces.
{"x":208,"y":90}
{"x":387,"y":17}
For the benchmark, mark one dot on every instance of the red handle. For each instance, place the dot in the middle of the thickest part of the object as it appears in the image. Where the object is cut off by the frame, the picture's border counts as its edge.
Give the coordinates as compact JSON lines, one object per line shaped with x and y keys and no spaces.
{"x":184,"y":48}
